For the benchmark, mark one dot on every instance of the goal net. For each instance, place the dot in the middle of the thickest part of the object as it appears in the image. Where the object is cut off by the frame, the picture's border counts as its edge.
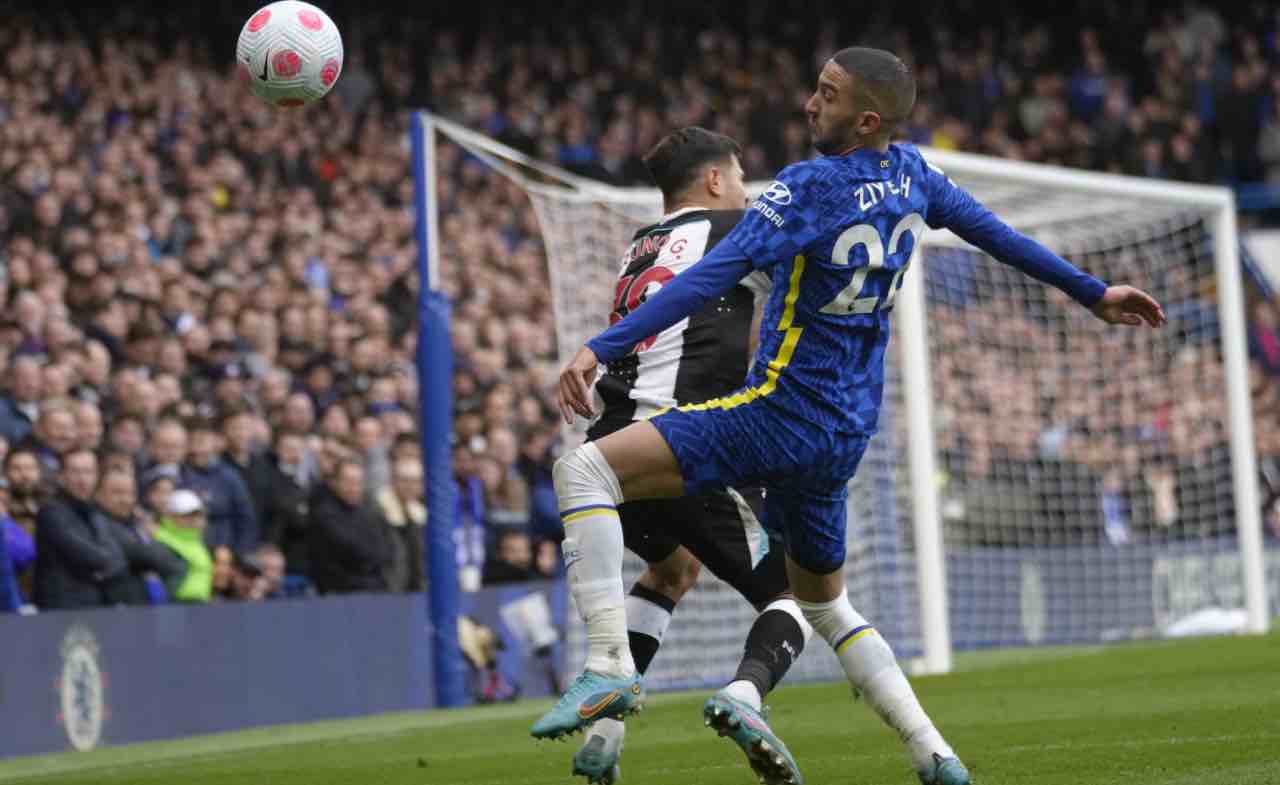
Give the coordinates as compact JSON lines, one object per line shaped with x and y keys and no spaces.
{"x":1042,"y":478}
{"x":1094,"y":483}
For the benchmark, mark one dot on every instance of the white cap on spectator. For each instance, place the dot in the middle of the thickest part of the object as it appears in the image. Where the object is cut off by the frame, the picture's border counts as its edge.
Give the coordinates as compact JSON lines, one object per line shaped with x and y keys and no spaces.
{"x":183,"y":503}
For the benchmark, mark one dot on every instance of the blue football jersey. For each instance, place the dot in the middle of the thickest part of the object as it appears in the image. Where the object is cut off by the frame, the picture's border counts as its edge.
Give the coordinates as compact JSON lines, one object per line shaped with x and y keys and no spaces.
{"x":837,"y":234}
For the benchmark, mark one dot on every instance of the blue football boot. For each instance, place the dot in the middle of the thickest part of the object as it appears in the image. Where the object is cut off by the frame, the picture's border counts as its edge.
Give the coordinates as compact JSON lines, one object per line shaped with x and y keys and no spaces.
{"x":592,"y":696}
{"x":598,"y":759}
{"x":768,"y":756}
{"x":946,"y":771}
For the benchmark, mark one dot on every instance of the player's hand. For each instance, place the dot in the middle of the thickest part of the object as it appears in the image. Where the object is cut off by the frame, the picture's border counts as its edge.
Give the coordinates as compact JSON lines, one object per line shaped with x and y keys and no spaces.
{"x":1128,"y":305}
{"x":575,"y":385}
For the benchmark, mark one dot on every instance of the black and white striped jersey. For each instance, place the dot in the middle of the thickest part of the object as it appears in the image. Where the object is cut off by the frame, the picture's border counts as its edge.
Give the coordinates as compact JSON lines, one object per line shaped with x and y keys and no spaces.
{"x":701,"y":357}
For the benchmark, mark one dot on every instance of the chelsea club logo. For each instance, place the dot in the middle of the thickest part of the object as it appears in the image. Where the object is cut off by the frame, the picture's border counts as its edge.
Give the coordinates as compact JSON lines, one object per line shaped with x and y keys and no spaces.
{"x":81,"y":688}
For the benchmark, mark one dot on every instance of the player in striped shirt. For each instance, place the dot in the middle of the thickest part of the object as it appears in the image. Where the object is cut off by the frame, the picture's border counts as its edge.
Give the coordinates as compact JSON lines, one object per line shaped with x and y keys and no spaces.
{"x":698,"y":358}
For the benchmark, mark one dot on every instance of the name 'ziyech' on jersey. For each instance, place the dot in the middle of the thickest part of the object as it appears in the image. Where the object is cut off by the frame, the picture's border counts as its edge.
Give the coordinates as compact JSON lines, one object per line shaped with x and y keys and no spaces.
{"x":702,"y":356}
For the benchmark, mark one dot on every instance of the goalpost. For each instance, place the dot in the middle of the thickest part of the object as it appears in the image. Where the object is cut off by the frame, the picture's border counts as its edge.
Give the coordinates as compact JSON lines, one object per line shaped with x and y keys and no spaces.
{"x":1038,"y":477}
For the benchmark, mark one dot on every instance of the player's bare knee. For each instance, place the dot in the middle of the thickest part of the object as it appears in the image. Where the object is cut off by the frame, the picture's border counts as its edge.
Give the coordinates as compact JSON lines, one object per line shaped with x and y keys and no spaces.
{"x":815,"y":578}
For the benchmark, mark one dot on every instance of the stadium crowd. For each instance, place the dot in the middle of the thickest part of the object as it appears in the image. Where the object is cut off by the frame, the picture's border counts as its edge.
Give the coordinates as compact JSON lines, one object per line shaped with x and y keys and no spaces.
{"x":209,"y":315}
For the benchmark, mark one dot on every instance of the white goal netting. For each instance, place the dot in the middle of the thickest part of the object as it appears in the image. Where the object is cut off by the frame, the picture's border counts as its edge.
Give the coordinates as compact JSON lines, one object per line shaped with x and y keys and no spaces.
{"x":1084,"y":472}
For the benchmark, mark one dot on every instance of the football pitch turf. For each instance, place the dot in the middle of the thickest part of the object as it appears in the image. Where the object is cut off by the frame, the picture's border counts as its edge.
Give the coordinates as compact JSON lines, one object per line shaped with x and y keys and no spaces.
{"x":1171,"y":713}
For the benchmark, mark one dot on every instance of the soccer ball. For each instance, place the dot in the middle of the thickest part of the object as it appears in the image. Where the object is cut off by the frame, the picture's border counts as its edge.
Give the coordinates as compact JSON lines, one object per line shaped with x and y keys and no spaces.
{"x":290,"y":53}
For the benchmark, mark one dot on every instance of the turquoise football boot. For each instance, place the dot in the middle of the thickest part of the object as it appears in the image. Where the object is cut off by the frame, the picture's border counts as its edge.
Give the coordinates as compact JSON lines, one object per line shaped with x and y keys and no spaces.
{"x":768,"y":756}
{"x":598,"y":760}
{"x":946,"y":771}
{"x":592,"y":696}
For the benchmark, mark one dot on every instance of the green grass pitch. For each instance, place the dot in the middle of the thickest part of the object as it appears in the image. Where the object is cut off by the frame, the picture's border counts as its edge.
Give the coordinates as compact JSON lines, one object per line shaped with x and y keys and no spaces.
{"x":1172,"y":713}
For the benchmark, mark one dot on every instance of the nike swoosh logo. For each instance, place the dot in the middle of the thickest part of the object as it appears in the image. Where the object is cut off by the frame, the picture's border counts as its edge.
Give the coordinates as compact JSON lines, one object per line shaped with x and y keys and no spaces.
{"x":266,"y":59}
{"x":587,"y":712}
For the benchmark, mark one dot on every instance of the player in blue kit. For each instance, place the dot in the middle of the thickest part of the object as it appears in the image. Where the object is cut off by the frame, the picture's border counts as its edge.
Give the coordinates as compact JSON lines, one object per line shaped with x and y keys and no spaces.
{"x":836,"y":233}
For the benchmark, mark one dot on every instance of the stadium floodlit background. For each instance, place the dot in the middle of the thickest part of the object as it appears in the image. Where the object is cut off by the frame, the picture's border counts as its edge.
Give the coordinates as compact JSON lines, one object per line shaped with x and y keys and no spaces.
{"x":186,"y":270}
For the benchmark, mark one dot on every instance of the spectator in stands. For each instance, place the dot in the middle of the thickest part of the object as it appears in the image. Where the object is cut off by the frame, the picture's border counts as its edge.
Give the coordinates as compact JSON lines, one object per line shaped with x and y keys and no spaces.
{"x":1269,"y":144}
{"x":1115,"y":510}
{"x":375,"y":452}
{"x":181,"y":529}
{"x":406,"y":447}
{"x":299,"y":413}
{"x":512,"y":560}
{"x":1264,"y":337}
{"x":404,"y":516}
{"x":226,"y":501}
{"x":89,"y":426}
{"x":272,"y":563}
{"x":346,"y":548}
{"x":54,"y":434}
{"x":128,"y":435}
{"x":17,"y":555}
{"x":274,"y":390}
{"x":27,"y":489}
{"x":155,"y":485}
{"x":244,"y":581}
{"x":331,"y":451}
{"x":285,"y":506}
{"x":240,"y":427}
{"x":76,"y":556}
{"x":114,"y":460}
{"x":544,"y":513}
{"x":470,"y":519}
{"x":1239,"y":116}
{"x":10,"y":597}
{"x":20,"y":406}
{"x":223,"y":565}
{"x":151,"y":566}
{"x":507,"y":492}
{"x":168,"y":446}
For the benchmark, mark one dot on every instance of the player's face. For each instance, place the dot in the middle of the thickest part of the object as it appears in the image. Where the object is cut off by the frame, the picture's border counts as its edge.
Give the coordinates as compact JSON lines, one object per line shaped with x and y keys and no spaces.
{"x":833,"y":111}
{"x":735,"y":187}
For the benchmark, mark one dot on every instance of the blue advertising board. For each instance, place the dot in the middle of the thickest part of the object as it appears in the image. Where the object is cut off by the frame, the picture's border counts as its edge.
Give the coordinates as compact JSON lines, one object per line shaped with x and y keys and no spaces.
{"x":80,"y":679}
{"x":83,"y":679}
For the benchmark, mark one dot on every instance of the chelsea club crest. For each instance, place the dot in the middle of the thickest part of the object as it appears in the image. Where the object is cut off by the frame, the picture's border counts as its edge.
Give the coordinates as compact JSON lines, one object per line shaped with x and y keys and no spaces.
{"x":81,"y":688}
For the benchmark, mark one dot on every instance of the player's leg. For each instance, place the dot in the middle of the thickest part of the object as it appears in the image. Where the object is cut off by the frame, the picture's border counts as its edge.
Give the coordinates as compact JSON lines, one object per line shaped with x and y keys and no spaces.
{"x":776,"y":639}
{"x":695,"y":448}
{"x":591,"y":482}
{"x":670,"y":572}
{"x":725,"y":533}
{"x":815,"y":525}
{"x":653,"y":599}
{"x":633,"y":463}
{"x":723,"y":530}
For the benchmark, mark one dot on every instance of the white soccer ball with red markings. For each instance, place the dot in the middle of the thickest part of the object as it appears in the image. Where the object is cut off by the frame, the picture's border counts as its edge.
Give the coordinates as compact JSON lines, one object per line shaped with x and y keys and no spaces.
{"x":290,"y":53}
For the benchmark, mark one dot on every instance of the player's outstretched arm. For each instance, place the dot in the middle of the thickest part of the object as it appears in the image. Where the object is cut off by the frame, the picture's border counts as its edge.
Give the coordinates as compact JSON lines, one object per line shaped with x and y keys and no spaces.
{"x":1128,"y":305}
{"x":953,"y":208}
